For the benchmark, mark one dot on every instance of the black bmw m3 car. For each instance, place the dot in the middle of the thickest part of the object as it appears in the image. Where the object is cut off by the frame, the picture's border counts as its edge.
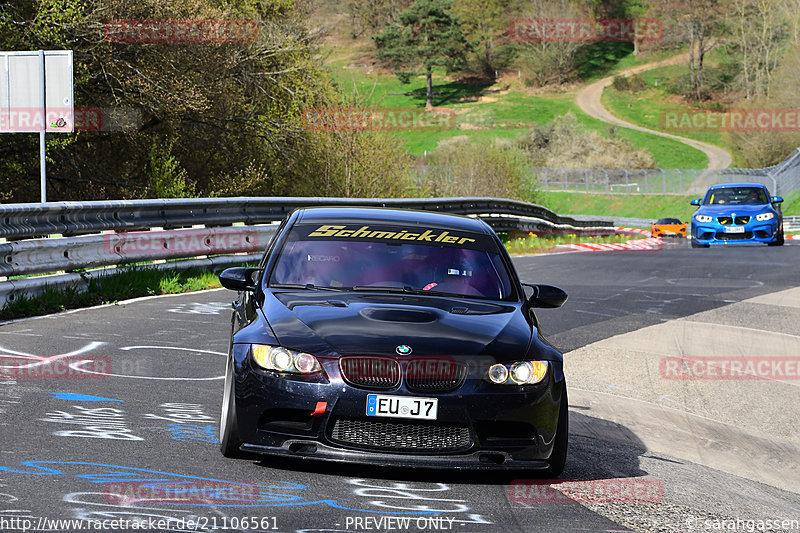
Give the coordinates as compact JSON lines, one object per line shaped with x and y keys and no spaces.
{"x":392,"y":337}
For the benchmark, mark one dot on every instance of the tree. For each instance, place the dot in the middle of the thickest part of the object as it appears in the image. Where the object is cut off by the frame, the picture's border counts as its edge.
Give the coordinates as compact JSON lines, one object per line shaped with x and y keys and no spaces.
{"x":702,"y":23}
{"x":426,"y":35}
{"x":483,"y":23}
{"x":760,"y":32}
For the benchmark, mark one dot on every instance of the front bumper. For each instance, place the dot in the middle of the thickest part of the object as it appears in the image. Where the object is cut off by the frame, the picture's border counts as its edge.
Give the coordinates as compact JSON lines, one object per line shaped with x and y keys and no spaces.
{"x":754,"y":232}
{"x":478,"y":426}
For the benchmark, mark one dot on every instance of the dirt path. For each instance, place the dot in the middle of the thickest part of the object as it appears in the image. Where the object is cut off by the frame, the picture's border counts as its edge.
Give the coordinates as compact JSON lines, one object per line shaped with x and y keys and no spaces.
{"x":588,"y":99}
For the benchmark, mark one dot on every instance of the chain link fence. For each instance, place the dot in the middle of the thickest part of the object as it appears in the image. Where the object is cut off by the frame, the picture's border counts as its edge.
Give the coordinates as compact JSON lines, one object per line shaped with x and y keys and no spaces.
{"x":780,"y":179}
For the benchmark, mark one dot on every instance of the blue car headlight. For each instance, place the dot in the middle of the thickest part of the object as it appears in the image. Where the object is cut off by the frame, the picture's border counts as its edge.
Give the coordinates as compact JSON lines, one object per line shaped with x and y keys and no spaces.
{"x":703,"y":218}
{"x":763,"y":217}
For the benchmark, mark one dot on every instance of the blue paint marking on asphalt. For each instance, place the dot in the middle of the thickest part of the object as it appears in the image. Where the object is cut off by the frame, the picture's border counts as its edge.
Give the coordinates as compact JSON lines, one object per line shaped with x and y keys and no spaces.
{"x":71,"y":396}
{"x":269,"y":495}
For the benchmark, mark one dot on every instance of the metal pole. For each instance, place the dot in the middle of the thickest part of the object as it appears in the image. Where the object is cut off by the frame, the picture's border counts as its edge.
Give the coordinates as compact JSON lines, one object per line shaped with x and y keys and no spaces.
{"x":42,"y":150}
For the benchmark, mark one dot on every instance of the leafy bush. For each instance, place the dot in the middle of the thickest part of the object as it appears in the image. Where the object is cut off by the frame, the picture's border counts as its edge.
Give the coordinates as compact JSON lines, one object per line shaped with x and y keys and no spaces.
{"x":621,"y":83}
{"x":565,"y":144}
{"x":461,"y":166}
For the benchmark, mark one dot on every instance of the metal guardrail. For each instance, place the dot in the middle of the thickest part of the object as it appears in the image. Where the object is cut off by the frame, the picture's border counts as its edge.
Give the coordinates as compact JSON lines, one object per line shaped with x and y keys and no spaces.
{"x":791,"y":223}
{"x":79,"y":218}
{"x":36,"y":256}
{"x":88,"y":235}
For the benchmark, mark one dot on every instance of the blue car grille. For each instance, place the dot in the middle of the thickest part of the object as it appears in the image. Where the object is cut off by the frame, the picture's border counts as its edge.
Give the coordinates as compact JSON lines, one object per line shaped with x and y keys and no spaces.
{"x":401,"y":436}
{"x":739,"y":221}
{"x":735,"y":236}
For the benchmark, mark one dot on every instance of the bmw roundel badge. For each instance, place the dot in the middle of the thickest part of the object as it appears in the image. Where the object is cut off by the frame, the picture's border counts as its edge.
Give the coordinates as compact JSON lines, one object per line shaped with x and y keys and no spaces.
{"x":403,"y":349}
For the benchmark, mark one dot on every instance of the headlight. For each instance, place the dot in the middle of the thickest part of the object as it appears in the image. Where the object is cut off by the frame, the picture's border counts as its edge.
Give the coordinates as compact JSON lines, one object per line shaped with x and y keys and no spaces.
{"x":498,"y":373}
{"x":521,"y":373}
{"x":765,"y":216}
{"x":702,"y":218}
{"x":283,"y":360}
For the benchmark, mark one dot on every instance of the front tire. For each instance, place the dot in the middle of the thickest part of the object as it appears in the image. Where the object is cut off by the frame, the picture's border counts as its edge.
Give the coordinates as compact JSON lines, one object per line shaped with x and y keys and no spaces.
{"x":695,"y":244}
{"x":229,"y":440}
{"x":778,"y":240}
{"x":558,"y":458}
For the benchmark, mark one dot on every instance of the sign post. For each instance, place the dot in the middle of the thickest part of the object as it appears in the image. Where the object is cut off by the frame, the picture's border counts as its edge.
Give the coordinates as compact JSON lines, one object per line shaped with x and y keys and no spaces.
{"x":36,"y":96}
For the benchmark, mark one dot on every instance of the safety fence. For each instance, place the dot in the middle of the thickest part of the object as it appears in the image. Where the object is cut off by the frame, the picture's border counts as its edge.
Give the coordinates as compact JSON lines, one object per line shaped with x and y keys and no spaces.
{"x":780,"y":179}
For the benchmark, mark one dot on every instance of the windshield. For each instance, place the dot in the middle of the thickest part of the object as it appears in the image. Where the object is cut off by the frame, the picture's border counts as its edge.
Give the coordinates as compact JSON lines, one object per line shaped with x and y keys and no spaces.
{"x":736,"y":196}
{"x":668,"y":221}
{"x":392,"y":258}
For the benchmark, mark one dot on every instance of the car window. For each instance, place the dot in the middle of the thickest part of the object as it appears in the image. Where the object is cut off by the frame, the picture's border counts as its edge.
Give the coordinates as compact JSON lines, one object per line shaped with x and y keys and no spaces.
{"x":668,"y":221}
{"x":736,"y":196}
{"x":327,"y":256}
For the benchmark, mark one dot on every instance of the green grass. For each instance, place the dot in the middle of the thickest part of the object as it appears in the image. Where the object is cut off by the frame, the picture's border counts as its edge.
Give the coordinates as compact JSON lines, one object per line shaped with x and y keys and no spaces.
{"x":646,"y":108}
{"x":484,"y":112}
{"x":532,"y":243}
{"x":603,"y":59}
{"x":131,"y":283}
{"x":791,"y":204}
{"x":636,"y":206}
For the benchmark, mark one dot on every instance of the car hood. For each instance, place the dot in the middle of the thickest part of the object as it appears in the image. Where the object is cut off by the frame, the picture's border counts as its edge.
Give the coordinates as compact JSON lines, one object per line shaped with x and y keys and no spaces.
{"x":739,"y":209}
{"x":328,"y":323}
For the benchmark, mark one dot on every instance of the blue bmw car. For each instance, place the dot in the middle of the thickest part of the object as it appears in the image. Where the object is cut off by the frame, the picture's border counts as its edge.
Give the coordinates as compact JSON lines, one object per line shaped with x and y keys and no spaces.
{"x":737,"y":213}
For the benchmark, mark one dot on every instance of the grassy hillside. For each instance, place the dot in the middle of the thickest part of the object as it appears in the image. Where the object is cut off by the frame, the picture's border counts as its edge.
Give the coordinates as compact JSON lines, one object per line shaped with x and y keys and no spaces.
{"x":494,"y":110}
{"x":638,"y":206}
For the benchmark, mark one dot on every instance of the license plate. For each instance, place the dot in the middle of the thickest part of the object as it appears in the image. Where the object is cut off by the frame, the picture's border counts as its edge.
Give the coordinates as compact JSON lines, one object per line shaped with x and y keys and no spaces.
{"x":402,"y":406}
{"x":735,"y":229}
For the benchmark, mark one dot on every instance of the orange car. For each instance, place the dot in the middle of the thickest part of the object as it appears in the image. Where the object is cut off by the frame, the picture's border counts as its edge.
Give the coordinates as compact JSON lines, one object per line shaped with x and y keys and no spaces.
{"x":668,"y":227}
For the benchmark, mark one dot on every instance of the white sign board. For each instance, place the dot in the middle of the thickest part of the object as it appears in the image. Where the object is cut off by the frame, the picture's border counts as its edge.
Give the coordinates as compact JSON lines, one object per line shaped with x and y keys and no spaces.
{"x":22,"y":80}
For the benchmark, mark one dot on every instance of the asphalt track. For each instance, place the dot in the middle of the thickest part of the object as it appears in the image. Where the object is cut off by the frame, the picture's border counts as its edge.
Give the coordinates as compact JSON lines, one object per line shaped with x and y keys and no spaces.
{"x":70,"y":447}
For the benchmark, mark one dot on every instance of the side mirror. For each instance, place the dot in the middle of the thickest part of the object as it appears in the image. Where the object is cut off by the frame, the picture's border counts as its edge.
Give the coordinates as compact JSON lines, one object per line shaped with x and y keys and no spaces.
{"x":777,"y":199}
{"x":240,"y":278}
{"x":546,"y":296}
{"x":696,"y":201}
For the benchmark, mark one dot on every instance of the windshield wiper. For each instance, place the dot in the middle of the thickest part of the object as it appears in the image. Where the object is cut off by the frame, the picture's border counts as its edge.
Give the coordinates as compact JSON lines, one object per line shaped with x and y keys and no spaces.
{"x":307,"y":287}
{"x":406,"y":289}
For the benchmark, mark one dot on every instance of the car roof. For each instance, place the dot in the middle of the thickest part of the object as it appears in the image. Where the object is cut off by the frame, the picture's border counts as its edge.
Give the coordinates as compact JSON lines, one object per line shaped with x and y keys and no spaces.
{"x":378,"y":215}
{"x":731,"y":185}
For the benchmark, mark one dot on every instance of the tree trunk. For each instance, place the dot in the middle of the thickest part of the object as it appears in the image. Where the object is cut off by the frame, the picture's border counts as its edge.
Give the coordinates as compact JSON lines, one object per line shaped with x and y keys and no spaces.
{"x":701,"y":52}
{"x":429,"y":96}
{"x":636,"y":47}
